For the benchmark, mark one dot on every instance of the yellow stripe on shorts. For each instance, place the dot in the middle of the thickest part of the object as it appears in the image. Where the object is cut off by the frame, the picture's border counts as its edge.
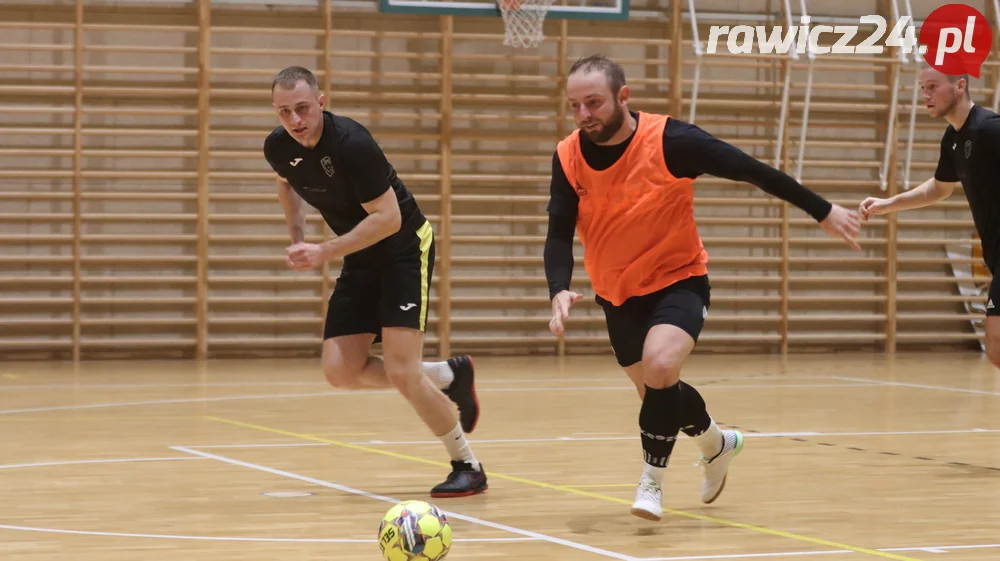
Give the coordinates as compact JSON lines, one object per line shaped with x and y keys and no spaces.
{"x":426,"y":235}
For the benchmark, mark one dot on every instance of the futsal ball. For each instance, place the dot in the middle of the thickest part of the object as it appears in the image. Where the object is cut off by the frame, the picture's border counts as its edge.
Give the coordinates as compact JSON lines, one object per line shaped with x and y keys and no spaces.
{"x":414,"y":531}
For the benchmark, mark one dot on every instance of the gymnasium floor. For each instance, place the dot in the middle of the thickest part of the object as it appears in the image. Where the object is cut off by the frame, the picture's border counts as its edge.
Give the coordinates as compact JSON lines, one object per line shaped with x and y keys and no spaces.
{"x":846,"y":457}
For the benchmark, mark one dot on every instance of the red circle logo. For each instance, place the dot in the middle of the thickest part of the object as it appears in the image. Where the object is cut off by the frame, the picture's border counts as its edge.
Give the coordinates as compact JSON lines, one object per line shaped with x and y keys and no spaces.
{"x":955,"y":39}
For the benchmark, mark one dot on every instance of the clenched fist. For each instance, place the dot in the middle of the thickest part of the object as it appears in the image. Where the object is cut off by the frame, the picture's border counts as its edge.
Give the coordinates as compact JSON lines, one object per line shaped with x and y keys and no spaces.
{"x":874,"y":207}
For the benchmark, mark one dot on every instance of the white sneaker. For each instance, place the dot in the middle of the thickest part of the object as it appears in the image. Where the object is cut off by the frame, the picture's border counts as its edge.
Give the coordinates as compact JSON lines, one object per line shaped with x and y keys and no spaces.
{"x":717,"y":468}
{"x":648,"y":499}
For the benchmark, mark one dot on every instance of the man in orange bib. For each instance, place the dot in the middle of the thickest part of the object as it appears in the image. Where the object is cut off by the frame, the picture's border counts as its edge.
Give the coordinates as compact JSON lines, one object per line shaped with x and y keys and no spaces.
{"x":623,"y":180}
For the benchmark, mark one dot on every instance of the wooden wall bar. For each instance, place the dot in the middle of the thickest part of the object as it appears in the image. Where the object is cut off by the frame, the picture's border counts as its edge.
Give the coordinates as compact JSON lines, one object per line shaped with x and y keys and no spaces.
{"x":139,"y":217}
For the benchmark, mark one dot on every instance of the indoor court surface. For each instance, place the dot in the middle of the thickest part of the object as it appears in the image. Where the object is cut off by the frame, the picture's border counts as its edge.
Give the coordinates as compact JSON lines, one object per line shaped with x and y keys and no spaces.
{"x":848,"y":457}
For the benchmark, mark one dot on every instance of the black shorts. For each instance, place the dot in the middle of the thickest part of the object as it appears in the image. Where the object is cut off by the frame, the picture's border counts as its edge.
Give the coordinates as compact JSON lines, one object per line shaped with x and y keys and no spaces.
{"x":394,"y":293}
{"x":993,"y":304}
{"x":683,"y":304}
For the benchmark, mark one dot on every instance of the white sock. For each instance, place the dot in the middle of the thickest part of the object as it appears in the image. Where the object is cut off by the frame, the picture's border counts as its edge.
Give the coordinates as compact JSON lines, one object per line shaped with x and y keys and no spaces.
{"x":459,"y":447}
{"x":710,"y":441}
{"x":439,"y":373}
{"x":654,"y":473}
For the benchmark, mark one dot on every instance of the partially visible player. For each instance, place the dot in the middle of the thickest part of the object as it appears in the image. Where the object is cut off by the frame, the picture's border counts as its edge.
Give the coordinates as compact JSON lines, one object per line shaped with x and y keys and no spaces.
{"x":333,"y":164}
{"x":970,"y":154}
{"x":623,"y":180}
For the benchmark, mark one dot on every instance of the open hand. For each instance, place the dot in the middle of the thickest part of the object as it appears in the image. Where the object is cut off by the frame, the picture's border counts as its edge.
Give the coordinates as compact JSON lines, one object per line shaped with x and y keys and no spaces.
{"x":842,"y":223}
{"x":561,"y":304}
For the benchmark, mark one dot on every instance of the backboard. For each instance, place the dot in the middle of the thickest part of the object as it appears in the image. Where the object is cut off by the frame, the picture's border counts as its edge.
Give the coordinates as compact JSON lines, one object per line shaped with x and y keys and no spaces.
{"x":571,"y":9}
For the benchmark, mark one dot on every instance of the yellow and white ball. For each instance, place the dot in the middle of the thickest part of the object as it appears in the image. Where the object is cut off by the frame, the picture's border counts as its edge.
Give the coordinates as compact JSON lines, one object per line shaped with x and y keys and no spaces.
{"x":414,"y":531}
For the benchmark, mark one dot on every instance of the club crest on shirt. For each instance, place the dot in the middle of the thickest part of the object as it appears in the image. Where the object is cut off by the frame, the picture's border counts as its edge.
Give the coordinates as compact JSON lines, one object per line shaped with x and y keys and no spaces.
{"x":327,"y":164}
{"x":968,"y":149}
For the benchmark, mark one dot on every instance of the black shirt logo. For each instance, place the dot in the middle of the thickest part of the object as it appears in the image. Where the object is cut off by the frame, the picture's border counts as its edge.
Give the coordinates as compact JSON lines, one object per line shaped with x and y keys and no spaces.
{"x":327,"y":164}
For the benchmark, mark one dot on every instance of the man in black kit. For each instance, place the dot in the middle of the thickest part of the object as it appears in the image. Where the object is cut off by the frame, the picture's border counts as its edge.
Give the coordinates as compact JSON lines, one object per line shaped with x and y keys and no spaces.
{"x":970,"y":154}
{"x":333,"y":164}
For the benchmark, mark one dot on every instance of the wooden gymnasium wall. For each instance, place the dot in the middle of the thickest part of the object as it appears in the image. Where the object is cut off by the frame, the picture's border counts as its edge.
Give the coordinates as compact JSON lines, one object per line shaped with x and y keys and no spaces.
{"x":139,"y":218}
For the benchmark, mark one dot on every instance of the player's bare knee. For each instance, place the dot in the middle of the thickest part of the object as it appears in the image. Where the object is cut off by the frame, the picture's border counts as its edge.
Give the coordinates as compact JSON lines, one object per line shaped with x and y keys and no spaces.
{"x":342,"y":375}
{"x":405,"y":376}
{"x":993,"y":339}
{"x":661,"y":370}
{"x":993,"y":350}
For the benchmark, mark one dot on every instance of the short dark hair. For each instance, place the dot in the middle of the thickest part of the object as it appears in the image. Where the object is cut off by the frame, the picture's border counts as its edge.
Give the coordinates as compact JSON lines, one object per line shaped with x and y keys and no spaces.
{"x":924,"y":65}
{"x":291,"y":76}
{"x":612,"y":70}
{"x":968,"y":84}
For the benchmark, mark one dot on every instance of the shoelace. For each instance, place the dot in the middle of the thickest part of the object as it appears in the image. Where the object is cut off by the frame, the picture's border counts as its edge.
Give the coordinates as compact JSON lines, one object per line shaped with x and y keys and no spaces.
{"x":648,"y":496}
{"x":455,"y":474}
{"x":648,"y":489}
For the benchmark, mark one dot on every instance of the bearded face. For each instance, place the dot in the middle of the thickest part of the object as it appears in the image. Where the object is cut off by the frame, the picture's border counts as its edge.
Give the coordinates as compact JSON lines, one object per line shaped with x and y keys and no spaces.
{"x":598,"y":112}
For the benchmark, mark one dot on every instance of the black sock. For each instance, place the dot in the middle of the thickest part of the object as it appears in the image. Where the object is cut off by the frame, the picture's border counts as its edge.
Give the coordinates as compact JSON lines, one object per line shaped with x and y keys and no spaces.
{"x":659,"y":422}
{"x":695,"y":418}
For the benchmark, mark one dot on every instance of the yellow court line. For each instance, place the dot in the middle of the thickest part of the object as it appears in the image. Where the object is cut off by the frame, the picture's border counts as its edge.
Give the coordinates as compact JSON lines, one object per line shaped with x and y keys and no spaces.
{"x":599,"y":485}
{"x":570,"y":489}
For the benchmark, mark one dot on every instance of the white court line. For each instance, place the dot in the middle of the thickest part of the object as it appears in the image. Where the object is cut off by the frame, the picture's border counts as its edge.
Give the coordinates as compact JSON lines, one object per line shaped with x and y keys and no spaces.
{"x":944,"y":548}
{"x":272,"y":445}
{"x":919,"y":386}
{"x":695,"y":379}
{"x":706,"y":386}
{"x":598,"y":438}
{"x":109,"y":461}
{"x":928,"y":549}
{"x":180,"y":537}
{"x":622,"y":438}
{"x":925,"y":549}
{"x":250,"y":384}
{"x":166,"y":401}
{"x":230,"y":539}
{"x":383,"y":392}
{"x":70,"y":386}
{"x":748,"y":555}
{"x":481,"y":522}
{"x":885,"y":433}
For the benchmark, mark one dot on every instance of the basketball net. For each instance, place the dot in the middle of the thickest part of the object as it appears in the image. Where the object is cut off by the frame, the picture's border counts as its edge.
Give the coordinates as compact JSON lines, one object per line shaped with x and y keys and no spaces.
{"x":522,"y":21}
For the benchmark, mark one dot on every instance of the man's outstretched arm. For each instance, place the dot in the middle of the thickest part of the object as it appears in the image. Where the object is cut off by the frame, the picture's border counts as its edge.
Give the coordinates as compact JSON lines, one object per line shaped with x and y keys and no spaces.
{"x":690,"y":152}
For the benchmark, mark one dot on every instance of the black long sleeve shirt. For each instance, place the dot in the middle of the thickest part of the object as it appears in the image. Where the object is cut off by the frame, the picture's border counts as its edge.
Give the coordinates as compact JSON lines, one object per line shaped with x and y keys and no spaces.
{"x":688,"y":152}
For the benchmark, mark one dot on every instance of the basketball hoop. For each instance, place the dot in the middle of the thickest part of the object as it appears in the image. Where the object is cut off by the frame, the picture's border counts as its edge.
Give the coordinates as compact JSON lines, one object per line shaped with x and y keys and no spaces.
{"x":522,"y":21}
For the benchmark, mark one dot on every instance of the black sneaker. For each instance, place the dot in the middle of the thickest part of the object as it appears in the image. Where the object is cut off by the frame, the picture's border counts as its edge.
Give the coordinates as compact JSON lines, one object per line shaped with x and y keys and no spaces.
{"x":463,"y":391}
{"x":463,"y":481}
